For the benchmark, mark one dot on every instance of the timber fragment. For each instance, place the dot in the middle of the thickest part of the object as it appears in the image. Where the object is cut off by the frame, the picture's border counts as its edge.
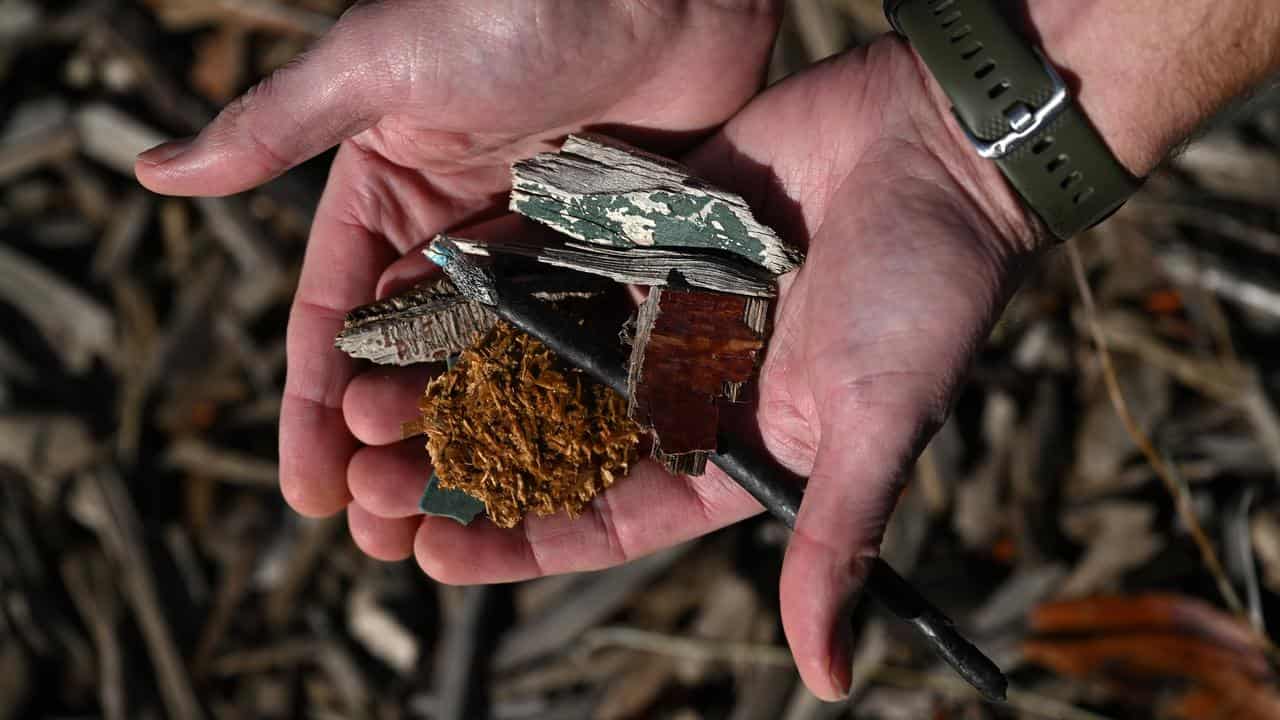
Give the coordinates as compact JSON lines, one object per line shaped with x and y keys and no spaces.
{"x":427,"y":323}
{"x":601,"y":191}
{"x":691,"y":351}
{"x":448,"y":502}
{"x":639,"y":265}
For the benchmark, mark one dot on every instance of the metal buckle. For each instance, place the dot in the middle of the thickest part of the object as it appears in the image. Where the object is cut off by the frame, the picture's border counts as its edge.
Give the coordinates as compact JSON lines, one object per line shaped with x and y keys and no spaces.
{"x":1023,"y":122}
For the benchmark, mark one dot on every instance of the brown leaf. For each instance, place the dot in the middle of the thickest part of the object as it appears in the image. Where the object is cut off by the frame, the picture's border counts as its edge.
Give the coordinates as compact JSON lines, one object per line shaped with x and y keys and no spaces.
{"x":1156,"y":642}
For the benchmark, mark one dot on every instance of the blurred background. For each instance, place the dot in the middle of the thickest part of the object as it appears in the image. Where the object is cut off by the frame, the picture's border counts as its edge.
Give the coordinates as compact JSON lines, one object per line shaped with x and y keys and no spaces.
{"x":1105,"y":524}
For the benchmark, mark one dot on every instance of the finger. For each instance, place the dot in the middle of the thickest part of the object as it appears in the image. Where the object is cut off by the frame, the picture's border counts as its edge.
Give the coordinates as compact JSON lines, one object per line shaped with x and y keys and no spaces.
{"x":642,"y":513}
{"x":884,"y":361}
{"x":381,"y":538}
{"x":378,"y":401}
{"x":388,"y":481}
{"x":412,"y":268}
{"x":340,"y":270}
{"x":324,"y":96}
{"x":849,"y":496}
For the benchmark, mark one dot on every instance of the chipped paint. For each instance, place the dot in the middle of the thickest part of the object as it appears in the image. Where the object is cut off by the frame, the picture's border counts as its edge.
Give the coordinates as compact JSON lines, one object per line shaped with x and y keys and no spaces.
{"x":597,"y":191}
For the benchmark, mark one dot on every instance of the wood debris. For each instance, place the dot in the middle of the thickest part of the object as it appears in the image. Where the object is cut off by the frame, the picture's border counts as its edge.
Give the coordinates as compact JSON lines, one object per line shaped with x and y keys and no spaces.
{"x":427,"y":323}
{"x":638,"y":265}
{"x":76,"y":326}
{"x":691,"y":350}
{"x":513,"y":428}
{"x":599,"y":190}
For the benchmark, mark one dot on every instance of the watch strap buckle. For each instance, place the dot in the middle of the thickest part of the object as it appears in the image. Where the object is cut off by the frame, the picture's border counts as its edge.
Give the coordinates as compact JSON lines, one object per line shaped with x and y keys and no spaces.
{"x":1024,"y":121}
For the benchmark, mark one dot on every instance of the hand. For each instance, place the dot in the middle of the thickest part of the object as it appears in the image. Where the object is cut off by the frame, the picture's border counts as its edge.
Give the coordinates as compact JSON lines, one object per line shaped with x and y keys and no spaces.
{"x":431,"y":100}
{"x":912,"y":243}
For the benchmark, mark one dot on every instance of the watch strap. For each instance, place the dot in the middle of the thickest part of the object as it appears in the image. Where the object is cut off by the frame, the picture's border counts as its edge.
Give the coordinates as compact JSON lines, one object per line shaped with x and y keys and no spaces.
{"x":1017,"y":111}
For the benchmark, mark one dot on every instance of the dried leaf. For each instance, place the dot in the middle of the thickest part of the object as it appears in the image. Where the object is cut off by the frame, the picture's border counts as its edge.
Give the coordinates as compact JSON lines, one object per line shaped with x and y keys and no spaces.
{"x":1149,"y":643}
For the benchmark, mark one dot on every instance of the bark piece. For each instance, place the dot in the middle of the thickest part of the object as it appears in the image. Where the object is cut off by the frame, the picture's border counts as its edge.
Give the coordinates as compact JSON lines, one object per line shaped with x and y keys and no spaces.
{"x":428,"y":323}
{"x":639,"y":265}
{"x":601,"y":191}
{"x":691,"y":350}
{"x":511,"y":426}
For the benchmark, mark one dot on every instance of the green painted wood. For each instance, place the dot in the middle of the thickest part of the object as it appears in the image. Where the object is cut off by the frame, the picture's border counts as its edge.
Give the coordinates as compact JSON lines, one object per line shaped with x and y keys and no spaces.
{"x":598,"y":190}
{"x":445,"y":502}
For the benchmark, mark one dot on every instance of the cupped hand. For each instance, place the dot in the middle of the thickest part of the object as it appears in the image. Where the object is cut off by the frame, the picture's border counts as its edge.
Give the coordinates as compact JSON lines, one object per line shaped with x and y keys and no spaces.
{"x":430,"y":101}
{"x":913,"y":244}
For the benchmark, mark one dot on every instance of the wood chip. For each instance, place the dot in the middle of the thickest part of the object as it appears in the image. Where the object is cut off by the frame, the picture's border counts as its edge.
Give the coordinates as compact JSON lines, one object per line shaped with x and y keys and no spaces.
{"x":588,"y":601}
{"x":599,"y":190}
{"x":198,"y":457}
{"x":220,"y":63}
{"x":691,"y":350}
{"x":114,"y":138}
{"x":638,"y":265}
{"x":77,"y":327}
{"x":426,"y":323}
{"x":260,"y":280}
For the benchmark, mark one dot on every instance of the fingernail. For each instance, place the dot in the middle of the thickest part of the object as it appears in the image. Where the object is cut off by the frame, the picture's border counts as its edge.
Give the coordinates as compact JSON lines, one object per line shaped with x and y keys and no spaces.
{"x":161,"y":154}
{"x":842,"y":656}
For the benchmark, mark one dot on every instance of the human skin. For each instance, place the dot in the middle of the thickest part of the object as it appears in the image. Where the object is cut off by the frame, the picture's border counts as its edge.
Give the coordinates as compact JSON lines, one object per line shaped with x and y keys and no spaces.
{"x":914,"y":243}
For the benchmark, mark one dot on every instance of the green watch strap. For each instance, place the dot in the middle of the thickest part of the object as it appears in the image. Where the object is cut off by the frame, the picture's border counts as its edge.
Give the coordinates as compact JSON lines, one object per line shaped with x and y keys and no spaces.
{"x":1017,"y":111}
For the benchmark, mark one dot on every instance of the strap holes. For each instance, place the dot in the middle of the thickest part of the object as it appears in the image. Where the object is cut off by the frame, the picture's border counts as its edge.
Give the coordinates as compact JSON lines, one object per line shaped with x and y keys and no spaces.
{"x":1082,"y":196}
{"x":998,"y":89}
{"x":1071,"y":179}
{"x":1057,"y":163}
{"x":951,"y":19}
{"x":1042,"y":145}
{"x":971,"y":54}
{"x":961,"y":34}
{"x":985,"y":70}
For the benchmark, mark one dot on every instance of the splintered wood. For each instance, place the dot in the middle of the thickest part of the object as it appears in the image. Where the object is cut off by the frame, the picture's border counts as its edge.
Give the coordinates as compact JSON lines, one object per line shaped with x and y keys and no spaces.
{"x":692,"y":350}
{"x":638,"y":265}
{"x":426,"y":324}
{"x":601,"y":191}
{"x":512,"y":427}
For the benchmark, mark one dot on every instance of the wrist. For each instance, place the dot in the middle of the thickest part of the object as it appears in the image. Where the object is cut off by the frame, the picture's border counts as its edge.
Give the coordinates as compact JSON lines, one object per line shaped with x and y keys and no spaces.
{"x":1147,"y":73}
{"x":1141,"y":77}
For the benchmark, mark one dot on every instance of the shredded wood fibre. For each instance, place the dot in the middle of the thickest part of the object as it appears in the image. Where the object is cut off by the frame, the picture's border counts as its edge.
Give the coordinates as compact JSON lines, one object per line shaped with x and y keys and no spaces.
{"x":515,"y":428}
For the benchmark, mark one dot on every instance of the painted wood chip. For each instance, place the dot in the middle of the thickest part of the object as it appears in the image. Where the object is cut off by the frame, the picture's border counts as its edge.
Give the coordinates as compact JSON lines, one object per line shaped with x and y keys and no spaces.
{"x":427,"y":323}
{"x":638,"y":266}
{"x":692,"y":350}
{"x":599,"y":190}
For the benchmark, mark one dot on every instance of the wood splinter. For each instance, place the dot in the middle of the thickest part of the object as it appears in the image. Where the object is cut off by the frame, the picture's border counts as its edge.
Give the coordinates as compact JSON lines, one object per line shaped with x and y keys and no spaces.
{"x":692,"y":350}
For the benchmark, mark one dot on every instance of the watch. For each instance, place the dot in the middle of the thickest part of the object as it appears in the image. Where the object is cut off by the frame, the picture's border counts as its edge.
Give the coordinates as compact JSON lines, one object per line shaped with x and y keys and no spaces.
{"x":1016,"y":110}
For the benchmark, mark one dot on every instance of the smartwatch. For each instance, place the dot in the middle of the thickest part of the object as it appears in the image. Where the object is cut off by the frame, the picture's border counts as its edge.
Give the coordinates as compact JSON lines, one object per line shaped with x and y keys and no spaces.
{"x":1016,"y":110}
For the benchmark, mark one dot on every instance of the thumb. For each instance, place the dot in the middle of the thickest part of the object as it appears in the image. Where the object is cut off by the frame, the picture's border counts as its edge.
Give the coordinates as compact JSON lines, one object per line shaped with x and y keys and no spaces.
{"x":866,"y":443}
{"x":331,"y":92}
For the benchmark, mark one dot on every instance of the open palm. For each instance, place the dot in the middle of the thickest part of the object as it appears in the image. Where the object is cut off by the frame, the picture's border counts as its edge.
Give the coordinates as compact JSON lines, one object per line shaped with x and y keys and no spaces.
{"x":430,"y":101}
{"x":912,"y":246}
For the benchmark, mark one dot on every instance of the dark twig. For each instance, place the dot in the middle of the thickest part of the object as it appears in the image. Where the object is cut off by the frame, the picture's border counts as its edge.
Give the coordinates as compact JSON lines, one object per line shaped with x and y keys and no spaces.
{"x":756,"y":474}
